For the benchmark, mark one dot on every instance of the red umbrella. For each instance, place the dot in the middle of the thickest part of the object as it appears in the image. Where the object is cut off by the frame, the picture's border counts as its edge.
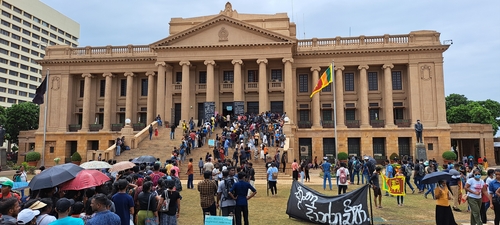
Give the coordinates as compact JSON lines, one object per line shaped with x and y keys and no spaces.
{"x":85,"y":179}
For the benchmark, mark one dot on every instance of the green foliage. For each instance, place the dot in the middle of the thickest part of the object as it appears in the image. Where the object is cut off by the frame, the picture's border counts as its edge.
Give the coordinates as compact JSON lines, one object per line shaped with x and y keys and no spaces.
{"x":3,"y":116}
{"x":342,"y":156}
{"x":33,"y":156}
{"x":461,"y":110}
{"x":76,"y":157}
{"x":449,"y":155}
{"x":21,"y":117}
{"x":394,"y":156}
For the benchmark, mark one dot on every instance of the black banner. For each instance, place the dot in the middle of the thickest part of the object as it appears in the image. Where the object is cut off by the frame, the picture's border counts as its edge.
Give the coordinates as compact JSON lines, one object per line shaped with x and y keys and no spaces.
{"x":209,"y":111}
{"x":239,"y":108}
{"x":307,"y":204}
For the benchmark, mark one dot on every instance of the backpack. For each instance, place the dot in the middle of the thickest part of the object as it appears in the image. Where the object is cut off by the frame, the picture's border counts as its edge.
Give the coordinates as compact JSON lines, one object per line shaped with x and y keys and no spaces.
{"x":343,"y":176}
{"x":407,"y":170}
{"x":274,"y":175}
{"x":228,"y":184}
{"x":164,"y":206}
{"x":154,"y":178}
{"x":421,"y":170}
{"x":357,"y":165}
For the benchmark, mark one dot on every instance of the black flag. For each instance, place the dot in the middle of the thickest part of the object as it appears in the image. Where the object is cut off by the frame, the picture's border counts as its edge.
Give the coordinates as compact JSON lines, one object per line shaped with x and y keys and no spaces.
{"x":307,"y":204}
{"x":40,"y":92}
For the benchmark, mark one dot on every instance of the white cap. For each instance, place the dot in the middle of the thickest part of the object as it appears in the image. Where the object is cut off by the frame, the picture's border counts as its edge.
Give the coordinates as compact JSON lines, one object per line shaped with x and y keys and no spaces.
{"x":26,"y":216}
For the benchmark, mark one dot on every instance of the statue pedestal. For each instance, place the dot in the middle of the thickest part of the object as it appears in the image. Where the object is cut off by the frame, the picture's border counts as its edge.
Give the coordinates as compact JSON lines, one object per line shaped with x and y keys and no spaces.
{"x":420,"y":151}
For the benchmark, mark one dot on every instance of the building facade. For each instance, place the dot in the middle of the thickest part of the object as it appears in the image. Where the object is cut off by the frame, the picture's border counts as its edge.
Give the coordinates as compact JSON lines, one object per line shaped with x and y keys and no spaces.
{"x":27,"y":28}
{"x":253,"y":63}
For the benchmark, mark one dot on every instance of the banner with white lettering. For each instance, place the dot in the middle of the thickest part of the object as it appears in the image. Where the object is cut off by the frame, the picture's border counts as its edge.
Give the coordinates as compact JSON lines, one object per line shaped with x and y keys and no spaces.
{"x":307,"y":204}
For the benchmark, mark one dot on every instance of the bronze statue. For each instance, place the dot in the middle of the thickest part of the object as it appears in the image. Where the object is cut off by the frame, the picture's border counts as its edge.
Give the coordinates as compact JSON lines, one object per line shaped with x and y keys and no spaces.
{"x":418,"y":129}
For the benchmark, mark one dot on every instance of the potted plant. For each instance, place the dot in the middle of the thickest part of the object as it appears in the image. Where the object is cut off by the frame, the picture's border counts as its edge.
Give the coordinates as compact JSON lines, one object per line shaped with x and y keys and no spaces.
{"x":394,"y":158}
{"x":33,"y":157}
{"x":342,"y":156}
{"x":56,"y":160}
{"x":76,"y":158}
{"x":449,"y":156}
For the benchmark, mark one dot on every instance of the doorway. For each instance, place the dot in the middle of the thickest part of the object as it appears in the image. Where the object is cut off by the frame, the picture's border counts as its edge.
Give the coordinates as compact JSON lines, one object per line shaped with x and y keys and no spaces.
{"x":177,"y":108}
{"x":227,"y":109}
{"x":201,"y":113}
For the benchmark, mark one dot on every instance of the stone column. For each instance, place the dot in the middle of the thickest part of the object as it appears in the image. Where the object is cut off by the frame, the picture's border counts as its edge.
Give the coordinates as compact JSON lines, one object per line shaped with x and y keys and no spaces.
{"x":238,"y":80}
{"x":289,"y":103}
{"x":363,"y":96}
{"x":316,"y":107}
{"x":185,"y":107}
{"x":263,"y":89}
{"x":106,"y":125}
{"x":160,"y":91}
{"x":151,"y":91}
{"x":440,"y":97}
{"x":130,"y":95}
{"x":210,"y":80}
{"x":167,"y":99}
{"x":388,"y":102}
{"x":86,"y":102}
{"x":414,"y":84}
{"x":339,"y":95}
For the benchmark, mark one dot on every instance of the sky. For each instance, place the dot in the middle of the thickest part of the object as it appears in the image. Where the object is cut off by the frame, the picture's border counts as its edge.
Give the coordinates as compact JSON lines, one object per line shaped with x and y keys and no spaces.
{"x":471,"y":64}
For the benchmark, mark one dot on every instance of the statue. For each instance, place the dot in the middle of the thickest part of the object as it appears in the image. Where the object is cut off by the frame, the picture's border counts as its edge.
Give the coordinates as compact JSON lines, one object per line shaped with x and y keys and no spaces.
{"x":418,"y":129}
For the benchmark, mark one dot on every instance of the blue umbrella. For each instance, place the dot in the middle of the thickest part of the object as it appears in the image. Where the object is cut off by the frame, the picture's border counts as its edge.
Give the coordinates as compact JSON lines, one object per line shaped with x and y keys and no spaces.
{"x":434,"y":177}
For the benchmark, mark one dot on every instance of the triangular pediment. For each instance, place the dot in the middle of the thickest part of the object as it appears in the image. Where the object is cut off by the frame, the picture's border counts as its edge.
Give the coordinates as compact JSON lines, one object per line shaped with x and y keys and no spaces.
{"x":223,"y":31}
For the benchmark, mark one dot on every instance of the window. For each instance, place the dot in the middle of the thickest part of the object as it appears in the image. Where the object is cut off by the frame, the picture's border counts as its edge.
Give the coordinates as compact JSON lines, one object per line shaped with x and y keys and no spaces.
{"x":27,"y":15}
{"x":60,"y":39}
{"x":25,"y":58}
{"x":13,"y":73}
{"x":45,"y":32}
{"x":11,"y":100}
{"x":2,"y":99}
{"x":12,"y":91}
{"x":68,"y":35}
{"x":44,"y":40}
{"x":17,"y":19}
{"x":16,"y":46}
{"x":4,"y":32}
{"x":82,"y":88}
{"x":53,"y":35}
{"x":53,"y":28}
{"x":16,"y":27}
{"x":36,"y":19}
{"x":33,"y":87}
{"x":24,"y":67}
{"x":37,"y":28}
{"x":23,"y":75}
{"x":397,"y":83}
{"x":17,"y":37}
{"x":25,"y":40}
{"x":304,"y":115}
{"x":379,"y":147}
{"x":52,"y":43}
{"x":31,"y":95}
{"x":354,"y":146}
{"x":34,"y":70}
{"x":24,"y":49}
{"x":6,"y":5}
{"x":26,"y":32}
{"x":276,"y":75}
{"x":14,"y":64}
{"x":430,"y":146}
{"x":228,"y":76}
{"x":404,"y":146}
{"x":123,"y":87}
{"x":35,"y":36}
{"x":5,"y":23}
{"x":303,"y":83}
{"x":3,"y":41}
{"x":329,"y":147}
{"x":349,"y":82}
{"x":34,"y":44}
{"x":144,"y":87}
{"x":202,"y":79}
{"x":17,"y":10}
{"x":253,"y":76}
{"x":35,"y":53}
{"x":374,"y":114}
{"x":45,"y":24}
{"x":327,"y":115}
{"x":372,"y":81}
{"x":350,"y":114}
{"x":22,"y":84}
{"x":3,"y":61}
{"x":398,"y":113}
{"x":5,"y":13}
{"x":13,"y":82}
{"x":3,"y":80}
{"x":4,"y":51}
{"x":2,"y":89}
{"x":26,"y":23}
{"x":328,"y":88}
{"x":60,"y":31}
{"x":178,"y":77}
{"x":33,"y":78}
{"x":23,"y":93}
{"x":102,"y":88}
{"x":3,"y":70}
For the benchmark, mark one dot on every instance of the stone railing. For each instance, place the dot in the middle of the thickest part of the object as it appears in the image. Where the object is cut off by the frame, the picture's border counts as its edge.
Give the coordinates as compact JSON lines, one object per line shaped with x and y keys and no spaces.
{"x":251,"y":86}
{"x":276,"y":86}
{"x":413,"y":38}
{"x":226,"y":87}
{"x":402,"y":122}
{"x":64,"y":51}
{"x":109,"y":153}
{"x":177,"y":88}
{"x":201,"y":88}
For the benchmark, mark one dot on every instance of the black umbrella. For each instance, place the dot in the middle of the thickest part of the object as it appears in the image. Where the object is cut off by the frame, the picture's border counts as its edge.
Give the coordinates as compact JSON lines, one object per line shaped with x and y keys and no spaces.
{"x":145,"y":159}
{"x":54,"y":176}
{"x":434,"y":177}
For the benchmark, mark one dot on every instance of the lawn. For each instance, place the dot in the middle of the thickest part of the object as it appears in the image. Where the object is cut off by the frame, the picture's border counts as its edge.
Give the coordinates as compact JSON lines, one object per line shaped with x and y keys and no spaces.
{"x":265,"y":209}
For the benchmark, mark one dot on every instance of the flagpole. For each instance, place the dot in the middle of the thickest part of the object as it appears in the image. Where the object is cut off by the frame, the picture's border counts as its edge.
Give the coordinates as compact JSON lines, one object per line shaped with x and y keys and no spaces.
{"x":334,"y":111}
{"x":45,"y":116}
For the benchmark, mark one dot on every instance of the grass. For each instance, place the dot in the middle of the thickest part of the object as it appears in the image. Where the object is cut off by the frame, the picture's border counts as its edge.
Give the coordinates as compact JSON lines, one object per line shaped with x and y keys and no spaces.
{"x":265,"y":209}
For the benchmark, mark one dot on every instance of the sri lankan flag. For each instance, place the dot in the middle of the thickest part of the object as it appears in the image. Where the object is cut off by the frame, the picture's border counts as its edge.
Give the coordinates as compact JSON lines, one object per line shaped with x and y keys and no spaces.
{"x":325,"y":79}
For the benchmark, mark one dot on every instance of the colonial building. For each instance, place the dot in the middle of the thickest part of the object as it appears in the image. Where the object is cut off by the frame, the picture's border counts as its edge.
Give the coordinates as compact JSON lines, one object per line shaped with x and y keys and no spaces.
{"x":233,"y":63}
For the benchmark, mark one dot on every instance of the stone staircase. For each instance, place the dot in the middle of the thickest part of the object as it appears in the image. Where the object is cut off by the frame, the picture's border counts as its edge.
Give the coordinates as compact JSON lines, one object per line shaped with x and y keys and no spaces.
{"x":161,"y":147}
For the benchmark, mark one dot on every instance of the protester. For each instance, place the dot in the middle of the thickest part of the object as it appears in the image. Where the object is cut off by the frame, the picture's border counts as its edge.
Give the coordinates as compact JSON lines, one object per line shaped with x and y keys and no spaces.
{"x":208,"y":189}
{"x":227,"y":204}
{"x":453,"y":184}
{"x":103,"y":216}
{"x":494,"y":191}
{"x":272,"y":178}
{"x":430,"y":187}
{"x":374,"y":182}
{"x":45,"y":218}
{"x":342,"y":178}
{"x":295,"y":170}
{"x":27,"y":217}
{"x":190,"y":172}
{"x":9,"y":208}
{"x":407,"y":172}
{"x":400,"y":198}
{"x":147,"y":204}
{"x":63,"y":208}
{"x":443,"y":215}
{"x":239,"y":193}
{"x":326,"y":167}
{"x":170,"y":203}
{"x":389,"y":172}
{"x":475,"y":188}
{"x":124,"y":204}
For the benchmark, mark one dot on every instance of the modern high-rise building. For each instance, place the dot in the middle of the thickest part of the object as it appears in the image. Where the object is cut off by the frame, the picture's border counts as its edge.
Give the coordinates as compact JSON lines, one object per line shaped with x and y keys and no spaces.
{"x":27,"y":28}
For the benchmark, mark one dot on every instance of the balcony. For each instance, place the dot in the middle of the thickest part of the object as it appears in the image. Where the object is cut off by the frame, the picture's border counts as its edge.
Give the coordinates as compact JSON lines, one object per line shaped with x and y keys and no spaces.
{"x":377,"y":123}
{"x":328,"y":124}
{"x":74,"y":127}
{"x":138,"y":126}
{"x":251,"y":87}
{"x":201,"y":88}
{"x":226,"y":87}
{"x":352,"y":123}
{"x":276,"y":85}
{"x":177,"y":88}
{"x":402,"y":122}
{"x":95,"y":127}
{"x":305,"y":124}
{"x":116,"y":127}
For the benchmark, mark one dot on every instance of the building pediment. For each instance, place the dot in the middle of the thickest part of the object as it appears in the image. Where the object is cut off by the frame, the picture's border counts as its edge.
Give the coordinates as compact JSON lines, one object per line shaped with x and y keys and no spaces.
{"x":223,"y":31}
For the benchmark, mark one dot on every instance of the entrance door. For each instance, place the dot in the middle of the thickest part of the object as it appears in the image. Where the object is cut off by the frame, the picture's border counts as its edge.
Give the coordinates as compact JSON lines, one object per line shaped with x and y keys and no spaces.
{"x":177,"y":108}
{"x":277,"y":107}
{"x":227,"y":109}
{"x":201,"y":113}
{"x":253,"y":108}
{"x":305,"y":148}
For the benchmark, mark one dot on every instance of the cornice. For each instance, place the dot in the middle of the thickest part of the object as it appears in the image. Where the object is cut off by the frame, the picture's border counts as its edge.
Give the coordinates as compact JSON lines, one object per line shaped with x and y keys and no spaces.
{"x":91,"y":60}
{"x":224,"y":46}
{"x":368,"y":51}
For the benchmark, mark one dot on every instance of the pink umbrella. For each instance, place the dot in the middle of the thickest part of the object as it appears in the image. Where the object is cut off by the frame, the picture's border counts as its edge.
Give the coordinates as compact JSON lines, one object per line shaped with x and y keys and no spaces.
{"x":85,"y":179}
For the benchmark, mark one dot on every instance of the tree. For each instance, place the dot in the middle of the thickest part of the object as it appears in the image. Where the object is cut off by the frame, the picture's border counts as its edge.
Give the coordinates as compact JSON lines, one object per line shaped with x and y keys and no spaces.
{"x":21,"y":117}
{"x":462,"y":110}
{"x":2,"y":115}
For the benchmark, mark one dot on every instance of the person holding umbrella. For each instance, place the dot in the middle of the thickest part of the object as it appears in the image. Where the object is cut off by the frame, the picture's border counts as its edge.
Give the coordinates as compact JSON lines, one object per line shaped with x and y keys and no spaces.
{"x":444,"y":215}
{"x":475,"y":187}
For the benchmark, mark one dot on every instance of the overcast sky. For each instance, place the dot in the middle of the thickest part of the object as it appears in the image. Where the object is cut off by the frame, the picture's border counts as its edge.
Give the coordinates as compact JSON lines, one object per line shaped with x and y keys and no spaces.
{"x":471,"y":64}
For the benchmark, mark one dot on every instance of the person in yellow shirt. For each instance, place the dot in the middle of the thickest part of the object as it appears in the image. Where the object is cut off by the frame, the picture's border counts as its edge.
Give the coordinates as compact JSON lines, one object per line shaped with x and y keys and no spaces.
{"x":444,"y":215}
